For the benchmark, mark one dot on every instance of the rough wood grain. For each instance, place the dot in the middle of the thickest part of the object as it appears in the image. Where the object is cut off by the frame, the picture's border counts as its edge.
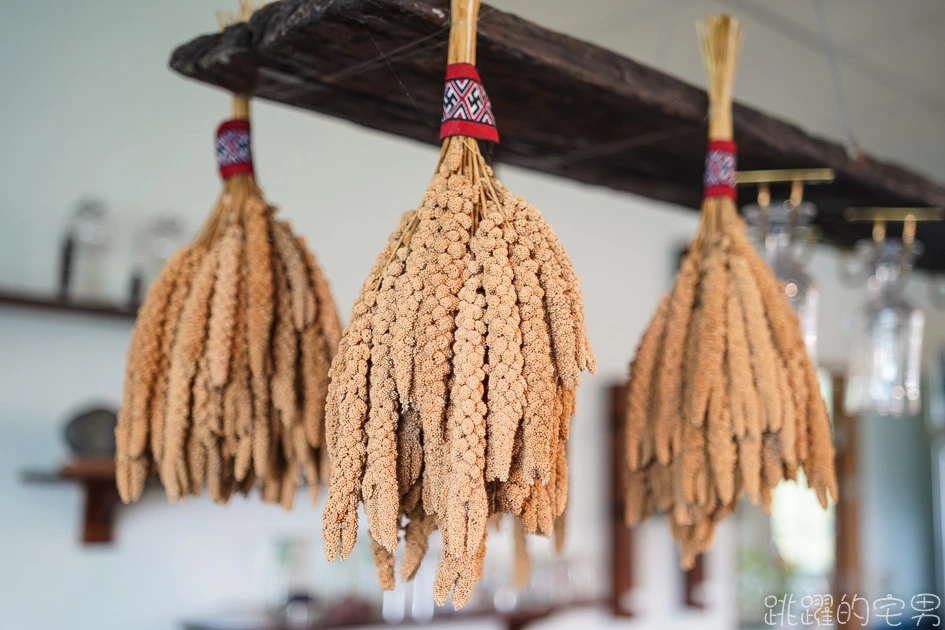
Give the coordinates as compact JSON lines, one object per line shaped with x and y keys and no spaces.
{"x":563,"y":106}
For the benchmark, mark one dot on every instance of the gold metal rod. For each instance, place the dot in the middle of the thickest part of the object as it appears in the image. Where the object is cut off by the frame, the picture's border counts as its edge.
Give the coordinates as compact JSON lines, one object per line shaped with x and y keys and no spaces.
{"x":808,"y":175}
{"x":908,"y":231}
{"x":764,"y":196}
{"x":894,"y":214}
{"x":797,"y":192}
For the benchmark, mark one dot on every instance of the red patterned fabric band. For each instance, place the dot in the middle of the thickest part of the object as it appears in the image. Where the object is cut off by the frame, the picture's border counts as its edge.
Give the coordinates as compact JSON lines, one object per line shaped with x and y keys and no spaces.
{"x":467,"y":110}
{"x":234,"y":148}
{"x":720,"y":169}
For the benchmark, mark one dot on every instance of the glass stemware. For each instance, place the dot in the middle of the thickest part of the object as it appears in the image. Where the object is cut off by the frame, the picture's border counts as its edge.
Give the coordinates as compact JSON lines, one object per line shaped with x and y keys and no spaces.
{"x":779,"y":231}
{"x":886,"y":352}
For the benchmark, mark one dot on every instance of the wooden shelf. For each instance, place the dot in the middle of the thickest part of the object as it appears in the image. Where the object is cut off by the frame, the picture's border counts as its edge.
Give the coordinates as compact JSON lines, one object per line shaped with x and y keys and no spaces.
{"x":31,"y":301}
{"x":514,"y":620}
{"x":564,"y":106}
{"x":97,"y":477}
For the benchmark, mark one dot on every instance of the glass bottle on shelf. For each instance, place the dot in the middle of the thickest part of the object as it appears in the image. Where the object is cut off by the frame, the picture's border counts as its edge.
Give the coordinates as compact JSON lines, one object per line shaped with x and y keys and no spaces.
{"x":778,"y":230}
{"x":884,"y":368}
{"x":82,"y":271}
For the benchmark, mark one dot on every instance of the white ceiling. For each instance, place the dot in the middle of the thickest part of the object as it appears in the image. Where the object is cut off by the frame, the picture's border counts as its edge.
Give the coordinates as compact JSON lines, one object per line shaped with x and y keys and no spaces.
{"x":890,"y":55}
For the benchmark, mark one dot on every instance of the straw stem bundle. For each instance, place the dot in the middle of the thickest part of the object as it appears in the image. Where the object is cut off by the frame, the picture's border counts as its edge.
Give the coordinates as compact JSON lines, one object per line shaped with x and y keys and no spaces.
{"x":723,"y":397}
{"x":453,"y":386}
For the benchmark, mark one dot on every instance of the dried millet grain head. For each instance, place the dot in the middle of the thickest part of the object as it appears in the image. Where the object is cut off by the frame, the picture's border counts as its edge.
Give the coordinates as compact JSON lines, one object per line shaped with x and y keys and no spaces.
{"x":188,"y":347}
{"x":467,"y":506}
{"x":259,"y":316}
{"x":284,"y":350}
{"x":764,"y":357}
{"x":710,"y":334}
{"x":328,"y":322}
{"x":417,"y":539}
{"x":346,"y":412}
{"x":504,"y":342}
{"x":557,"y":299}
{"x":538,"y":363}
{"x":409,"y":290}
{"x":640,"y":387}
{"x":743,"y":397}
{"x":723,"y":451}
{"x":222,"y":326}
{"x":146,"y":348}
{"x":435,"y":326}
{"x":409,"y":450}
{"x":190,"y":259}
{"x":297,"y":275}
{"x":584,"y":354}
{"x":384,"y":563}
{"x":379,"y":486}
{"x":666,"y":408}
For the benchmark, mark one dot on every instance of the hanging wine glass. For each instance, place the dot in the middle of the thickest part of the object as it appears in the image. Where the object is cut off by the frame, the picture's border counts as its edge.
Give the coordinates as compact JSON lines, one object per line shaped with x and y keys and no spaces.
{"x":161,"y":237}
{"x":781,"y":231}
{"x":884,"y":368}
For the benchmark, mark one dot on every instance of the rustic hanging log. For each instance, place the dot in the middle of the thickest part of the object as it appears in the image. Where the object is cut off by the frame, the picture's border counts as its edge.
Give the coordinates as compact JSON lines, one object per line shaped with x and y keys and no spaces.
{"x":583,"y":113}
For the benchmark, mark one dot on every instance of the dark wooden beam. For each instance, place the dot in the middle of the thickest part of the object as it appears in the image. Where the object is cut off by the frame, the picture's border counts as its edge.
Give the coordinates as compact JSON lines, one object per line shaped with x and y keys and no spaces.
{"x":564,"y":106}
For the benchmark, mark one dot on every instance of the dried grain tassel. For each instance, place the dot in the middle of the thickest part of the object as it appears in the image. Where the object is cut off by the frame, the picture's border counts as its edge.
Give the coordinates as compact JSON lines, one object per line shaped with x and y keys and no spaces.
{"x":710,"y":357}
{"x":666,"y":405}
{"x":743,"y":397}
{"x":640,"y":387}
{"x":504,"y":344}
{"x":723,"y":451}
{"x":417,"y":539}
{"x":188,"y":347}
{"x":561,"y":480}
{"x":297,"y":275}
{"x":538,"y":362}
{"x":285,"y":349}
{"x":409,"y":450}
{"x":379,"y":488}
{"x":557,"y":300}
{"x":435,"y":327}
{"x":409,"y":290}
{"x":819,"y":467}
{"x":146,"y":345}
{"x":238,"y":403}
{"x":467,"y":508}
{"x":123,"y":435}
{"x":384,"y":563}
{"x":763,"y":354}
{"x":346,"y":411}
{"x":459,"y":575}
{"x":201,"y":436}
{"x":190,"y":260}
{"x":585,"y":356}
{"x":521,"y":563}
{"x":259,"y":317}
{"x":223,"y":310}
{"x":328,"y":321}
{"x":660,"y":483}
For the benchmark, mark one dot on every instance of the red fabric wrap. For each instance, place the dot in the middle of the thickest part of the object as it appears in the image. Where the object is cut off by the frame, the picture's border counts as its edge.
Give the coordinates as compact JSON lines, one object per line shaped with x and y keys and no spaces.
{"x":720,"y":169}
{"x":467,"y":110}
{"x":234,"y":148}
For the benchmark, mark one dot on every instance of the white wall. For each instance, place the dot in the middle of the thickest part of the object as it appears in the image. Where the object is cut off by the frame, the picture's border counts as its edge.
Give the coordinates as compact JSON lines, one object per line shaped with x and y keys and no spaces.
{"x":91,"y":108}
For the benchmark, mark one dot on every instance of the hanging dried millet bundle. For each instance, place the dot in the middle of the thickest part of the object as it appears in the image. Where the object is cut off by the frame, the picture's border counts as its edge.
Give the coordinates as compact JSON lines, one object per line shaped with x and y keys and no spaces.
{"x":723,"y":397}
{"x":227,"y":370}
{"x":454,"y":382}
